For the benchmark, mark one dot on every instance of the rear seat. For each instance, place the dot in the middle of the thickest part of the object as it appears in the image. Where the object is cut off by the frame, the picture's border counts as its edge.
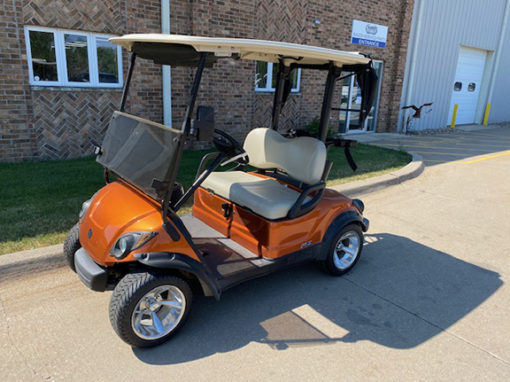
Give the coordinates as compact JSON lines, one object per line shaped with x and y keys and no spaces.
{"x":302,"y":158}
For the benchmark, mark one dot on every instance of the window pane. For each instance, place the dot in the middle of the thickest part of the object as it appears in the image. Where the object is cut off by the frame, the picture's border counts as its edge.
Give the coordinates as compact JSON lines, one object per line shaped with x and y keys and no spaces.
{"x":471,"y":87}
{"x":371,"y":115}
{"x":275,"y":75}
{"x":354,"y":116}
{"x":344,"y":104}
{"x":457,"y":86}
{"x":261,"y":81}
{"x":44,"y":63}
{"x":261,"y":75}
{"x":107,"y":61}
{"x":77,"y":58}
{"x":293,"y":79}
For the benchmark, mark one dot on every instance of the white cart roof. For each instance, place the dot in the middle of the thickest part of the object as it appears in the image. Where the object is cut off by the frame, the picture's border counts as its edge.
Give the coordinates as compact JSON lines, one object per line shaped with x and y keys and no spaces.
{"x":248,"y":49}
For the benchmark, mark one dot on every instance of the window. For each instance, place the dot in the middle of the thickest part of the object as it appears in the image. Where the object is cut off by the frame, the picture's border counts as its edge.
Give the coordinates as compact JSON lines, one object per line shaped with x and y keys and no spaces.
{"x":265,"y":77}
{"x":471,"y":87}
{"x":457,"y":86}
{"x":72,"y":58}
{"x":350,"y":103}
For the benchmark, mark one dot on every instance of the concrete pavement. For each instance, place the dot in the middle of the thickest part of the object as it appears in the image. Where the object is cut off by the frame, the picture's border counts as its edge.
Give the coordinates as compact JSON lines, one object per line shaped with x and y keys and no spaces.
{"x":464,"y":142}
{"x":429,"y":300}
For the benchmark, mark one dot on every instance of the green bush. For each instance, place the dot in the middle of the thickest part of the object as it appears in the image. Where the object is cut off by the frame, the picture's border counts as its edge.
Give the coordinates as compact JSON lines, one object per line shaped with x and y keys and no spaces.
{"x":312,"y":128}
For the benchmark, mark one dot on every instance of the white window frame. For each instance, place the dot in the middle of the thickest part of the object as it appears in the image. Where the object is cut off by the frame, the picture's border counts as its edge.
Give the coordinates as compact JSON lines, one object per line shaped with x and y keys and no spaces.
{"x":269,"y":82}
{"x":60,"y":56}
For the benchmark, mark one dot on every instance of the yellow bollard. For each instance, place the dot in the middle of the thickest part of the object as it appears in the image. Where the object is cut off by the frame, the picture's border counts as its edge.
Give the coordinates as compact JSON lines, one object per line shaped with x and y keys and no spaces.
{"x":454,"y":116}
{"x":486,"y":115}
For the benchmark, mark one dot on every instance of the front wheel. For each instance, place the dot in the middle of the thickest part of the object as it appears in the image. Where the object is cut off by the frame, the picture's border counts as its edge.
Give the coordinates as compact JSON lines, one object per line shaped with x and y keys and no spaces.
{"x":344,"y":250}
{"x":146,"y":309}
{"x":71,"y":245}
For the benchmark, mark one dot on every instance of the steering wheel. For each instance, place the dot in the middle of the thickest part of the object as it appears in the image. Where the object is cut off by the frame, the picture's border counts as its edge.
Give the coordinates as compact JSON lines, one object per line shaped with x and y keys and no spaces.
{"x":228,"y":145}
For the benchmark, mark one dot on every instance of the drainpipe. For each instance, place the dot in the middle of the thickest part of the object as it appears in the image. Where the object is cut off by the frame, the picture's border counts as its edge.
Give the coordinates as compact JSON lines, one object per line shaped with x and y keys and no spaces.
{"x":498,"y":52}
{"x":410,"y":69}
{"x":167,"y":81}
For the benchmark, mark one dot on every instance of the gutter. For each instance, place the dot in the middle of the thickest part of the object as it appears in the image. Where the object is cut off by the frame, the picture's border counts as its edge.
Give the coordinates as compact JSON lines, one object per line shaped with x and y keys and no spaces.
{"x":166,"y":78}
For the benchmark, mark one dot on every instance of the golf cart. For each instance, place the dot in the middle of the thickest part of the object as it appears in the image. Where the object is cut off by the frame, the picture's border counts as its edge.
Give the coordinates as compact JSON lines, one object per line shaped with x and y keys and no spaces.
{"x":244,"y":224}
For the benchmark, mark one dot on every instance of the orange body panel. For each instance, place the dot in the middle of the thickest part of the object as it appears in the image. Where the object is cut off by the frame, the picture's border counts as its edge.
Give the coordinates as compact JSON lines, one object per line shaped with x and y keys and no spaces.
{"x":119,"y":208}
{"x":271,"y":239}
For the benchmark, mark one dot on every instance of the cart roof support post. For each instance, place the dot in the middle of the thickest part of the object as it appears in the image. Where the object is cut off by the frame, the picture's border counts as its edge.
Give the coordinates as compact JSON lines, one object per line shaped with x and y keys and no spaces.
{"x":128,"y":81}
{"x":282,"y":77}
{"x":186,"y":124}
{"x":333,"y":74}
{"x":125,"y":91}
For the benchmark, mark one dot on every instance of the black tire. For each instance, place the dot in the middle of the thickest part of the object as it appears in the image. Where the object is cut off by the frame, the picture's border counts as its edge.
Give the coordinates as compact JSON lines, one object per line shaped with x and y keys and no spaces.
{"x":129,"y":291}
{"x":71,"y":245}
{"x":329,"y":264}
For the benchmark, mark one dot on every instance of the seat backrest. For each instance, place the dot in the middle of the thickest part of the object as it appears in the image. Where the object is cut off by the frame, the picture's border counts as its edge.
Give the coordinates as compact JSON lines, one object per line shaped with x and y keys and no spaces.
{"x":302,"y":158}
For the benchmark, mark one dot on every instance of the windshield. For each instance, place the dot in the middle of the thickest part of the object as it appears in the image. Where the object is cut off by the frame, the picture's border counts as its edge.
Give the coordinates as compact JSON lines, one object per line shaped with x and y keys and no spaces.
{"x":141,"y":151}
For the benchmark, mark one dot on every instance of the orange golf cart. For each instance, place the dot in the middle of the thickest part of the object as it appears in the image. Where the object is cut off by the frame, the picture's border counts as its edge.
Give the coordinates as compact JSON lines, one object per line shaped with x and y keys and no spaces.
{"x":244,"y":224}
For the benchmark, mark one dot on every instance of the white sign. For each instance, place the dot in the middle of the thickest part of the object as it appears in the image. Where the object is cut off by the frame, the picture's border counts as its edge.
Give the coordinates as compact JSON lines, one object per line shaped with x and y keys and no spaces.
{"x":368,"y":34}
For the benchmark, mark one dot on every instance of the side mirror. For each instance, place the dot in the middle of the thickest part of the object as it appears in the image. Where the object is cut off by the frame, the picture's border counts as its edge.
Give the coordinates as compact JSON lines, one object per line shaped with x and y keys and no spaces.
{"x":367,"y":81}
{"x":204,"y":124}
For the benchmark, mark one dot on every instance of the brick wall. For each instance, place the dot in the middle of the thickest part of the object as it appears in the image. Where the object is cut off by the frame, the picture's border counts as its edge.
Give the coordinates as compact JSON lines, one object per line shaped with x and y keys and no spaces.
{"x":47,"y":123}
{"x":37,"y":122}
{"x":334,"y":31}
{"x":17,"y":136}
{"x":238,"y":108}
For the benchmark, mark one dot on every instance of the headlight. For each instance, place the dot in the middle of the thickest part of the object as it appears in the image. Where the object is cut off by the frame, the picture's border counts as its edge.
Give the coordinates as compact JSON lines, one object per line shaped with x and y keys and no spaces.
{"x":85,"y":206}
{"x":129,"y":242}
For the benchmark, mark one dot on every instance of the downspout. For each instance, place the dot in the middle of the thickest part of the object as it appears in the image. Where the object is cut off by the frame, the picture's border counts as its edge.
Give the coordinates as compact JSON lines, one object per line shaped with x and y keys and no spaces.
{"x":166,"y":78}
{"x":410,"y":69}
{"x":498,"y":52}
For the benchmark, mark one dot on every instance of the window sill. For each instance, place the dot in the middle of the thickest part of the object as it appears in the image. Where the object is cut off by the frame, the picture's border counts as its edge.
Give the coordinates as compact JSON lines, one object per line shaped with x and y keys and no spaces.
{"x":77,"y":88}
{"x":272,"y":92}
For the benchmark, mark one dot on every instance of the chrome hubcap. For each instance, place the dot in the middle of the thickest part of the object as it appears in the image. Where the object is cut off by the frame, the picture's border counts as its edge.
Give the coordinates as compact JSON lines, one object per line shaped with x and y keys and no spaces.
{"x":346,"y":250}
{"x":158,"y":312}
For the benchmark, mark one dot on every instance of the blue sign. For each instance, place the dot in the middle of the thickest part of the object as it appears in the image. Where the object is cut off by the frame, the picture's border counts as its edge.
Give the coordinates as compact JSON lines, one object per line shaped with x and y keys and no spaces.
{"x":362,"y":41}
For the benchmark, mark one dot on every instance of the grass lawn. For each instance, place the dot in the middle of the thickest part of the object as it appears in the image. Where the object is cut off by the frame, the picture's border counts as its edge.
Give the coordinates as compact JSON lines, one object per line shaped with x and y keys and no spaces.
{"x":40,"y":201}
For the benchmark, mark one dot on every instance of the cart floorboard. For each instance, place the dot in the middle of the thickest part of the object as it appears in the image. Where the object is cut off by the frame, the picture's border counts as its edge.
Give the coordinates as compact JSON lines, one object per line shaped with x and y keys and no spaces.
{"x":228,"y":259}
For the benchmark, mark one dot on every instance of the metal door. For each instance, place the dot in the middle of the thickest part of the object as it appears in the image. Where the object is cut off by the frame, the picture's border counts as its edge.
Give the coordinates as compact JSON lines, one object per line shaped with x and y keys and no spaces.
{"x":466,"y":87}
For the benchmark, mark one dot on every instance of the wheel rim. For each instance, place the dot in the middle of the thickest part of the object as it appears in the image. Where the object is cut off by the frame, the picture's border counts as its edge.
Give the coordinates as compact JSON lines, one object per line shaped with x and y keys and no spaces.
{"x":158,"y":312}
{"x":346,"y":250}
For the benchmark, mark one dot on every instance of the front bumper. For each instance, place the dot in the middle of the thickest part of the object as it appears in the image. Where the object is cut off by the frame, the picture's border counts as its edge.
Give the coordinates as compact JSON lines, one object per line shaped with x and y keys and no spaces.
{"x":91,"y":274}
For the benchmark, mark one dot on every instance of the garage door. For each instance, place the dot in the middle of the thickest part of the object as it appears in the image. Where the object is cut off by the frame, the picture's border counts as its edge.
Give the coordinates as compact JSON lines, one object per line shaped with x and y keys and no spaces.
{"x":468,"y":80}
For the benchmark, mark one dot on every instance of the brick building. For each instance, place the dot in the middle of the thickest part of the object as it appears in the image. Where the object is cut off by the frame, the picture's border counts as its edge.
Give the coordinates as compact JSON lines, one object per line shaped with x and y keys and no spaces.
{"x":60,"y":79}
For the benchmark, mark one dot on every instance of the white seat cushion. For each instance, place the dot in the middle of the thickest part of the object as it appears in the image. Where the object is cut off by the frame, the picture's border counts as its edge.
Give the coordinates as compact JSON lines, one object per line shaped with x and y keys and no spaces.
{"x":302,"y":158}
{"x":265,"y":197}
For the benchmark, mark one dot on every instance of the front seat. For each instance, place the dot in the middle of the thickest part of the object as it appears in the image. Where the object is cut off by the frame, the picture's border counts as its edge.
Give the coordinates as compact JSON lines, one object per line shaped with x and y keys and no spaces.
{"x":302,"y":158}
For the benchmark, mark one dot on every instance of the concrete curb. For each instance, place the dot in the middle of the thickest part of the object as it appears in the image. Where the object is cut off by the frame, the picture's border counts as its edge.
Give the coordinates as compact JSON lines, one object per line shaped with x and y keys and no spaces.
{"x":14,"y":265}
{"x":17,"y":264}
{"x":365,"y":186}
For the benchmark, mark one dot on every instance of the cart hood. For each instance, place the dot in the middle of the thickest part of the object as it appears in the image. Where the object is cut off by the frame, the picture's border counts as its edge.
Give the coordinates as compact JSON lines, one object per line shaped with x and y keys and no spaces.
{"x":116,"y":209}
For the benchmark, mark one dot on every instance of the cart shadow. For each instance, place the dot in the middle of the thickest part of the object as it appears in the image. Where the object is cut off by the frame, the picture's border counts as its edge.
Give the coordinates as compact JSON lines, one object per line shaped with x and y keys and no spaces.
{"x":400,"y":295}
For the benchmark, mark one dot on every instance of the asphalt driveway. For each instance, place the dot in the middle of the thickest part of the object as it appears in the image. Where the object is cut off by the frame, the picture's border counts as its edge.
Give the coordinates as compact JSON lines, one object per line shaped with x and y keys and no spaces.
{"x":429,"y":300}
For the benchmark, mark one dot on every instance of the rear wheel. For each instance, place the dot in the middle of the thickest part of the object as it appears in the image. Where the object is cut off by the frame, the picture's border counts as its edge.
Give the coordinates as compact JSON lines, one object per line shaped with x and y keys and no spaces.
{"x":344,"y":250}
{"x":146,"y":309}
{"x":71,"y":245}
